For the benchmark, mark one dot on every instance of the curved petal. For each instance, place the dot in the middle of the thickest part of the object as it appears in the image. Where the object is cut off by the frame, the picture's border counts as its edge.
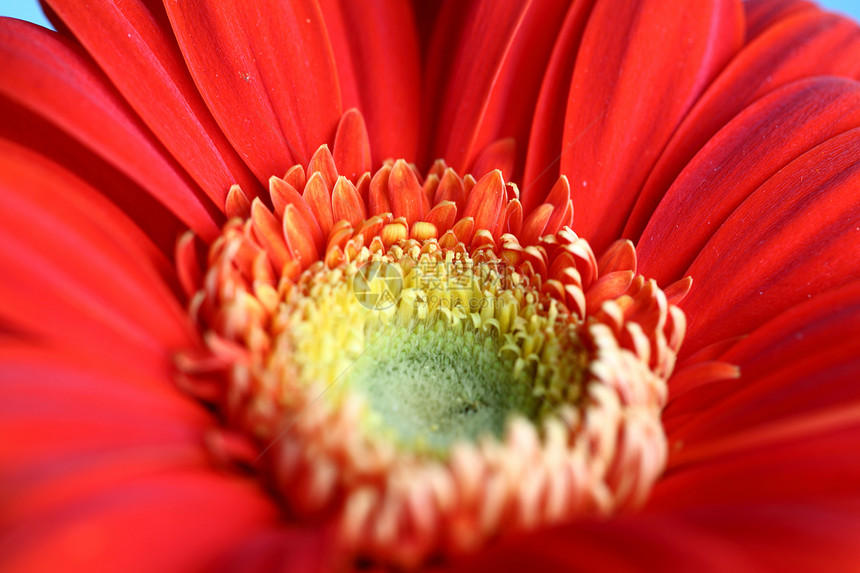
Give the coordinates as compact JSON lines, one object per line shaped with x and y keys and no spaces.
{"x":796,"y":236}
{"x":378,"y":61}
{"x":810,"y":43}
{"x":675,"y":49}
{"x":75,"y":271}
{"x":146,"y":66}
{"x":41,"y":73}
{"x":26,"y":128}
{"x":740,"y":158}
{"x":92,"y":459}
{"x":484,"y":71}
{"x":801,"y":363}
{"x":762,"y":14}
{"x":266,"y":70}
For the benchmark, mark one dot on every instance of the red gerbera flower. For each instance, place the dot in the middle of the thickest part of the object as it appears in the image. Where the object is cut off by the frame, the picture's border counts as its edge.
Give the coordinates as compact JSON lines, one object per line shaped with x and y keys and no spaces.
{"x":334,"y":284}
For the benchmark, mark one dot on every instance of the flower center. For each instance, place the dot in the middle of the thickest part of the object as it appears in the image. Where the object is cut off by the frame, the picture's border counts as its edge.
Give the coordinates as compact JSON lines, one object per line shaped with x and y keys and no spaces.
{"x":430,"y":387}
{"x":440,"y":347}
{"x":424,"y":367}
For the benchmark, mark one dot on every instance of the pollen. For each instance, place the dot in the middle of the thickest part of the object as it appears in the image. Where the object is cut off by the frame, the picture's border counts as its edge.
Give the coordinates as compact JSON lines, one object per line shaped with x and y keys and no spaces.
{"x":422,"y":367}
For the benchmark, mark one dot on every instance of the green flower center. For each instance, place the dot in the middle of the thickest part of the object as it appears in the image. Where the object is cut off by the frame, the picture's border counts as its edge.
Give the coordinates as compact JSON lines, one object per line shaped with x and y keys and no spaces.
{"x":428,"y":387}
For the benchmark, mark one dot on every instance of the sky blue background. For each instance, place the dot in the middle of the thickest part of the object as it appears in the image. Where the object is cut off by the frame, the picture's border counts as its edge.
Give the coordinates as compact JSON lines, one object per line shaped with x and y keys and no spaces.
{"x":29,"y":9}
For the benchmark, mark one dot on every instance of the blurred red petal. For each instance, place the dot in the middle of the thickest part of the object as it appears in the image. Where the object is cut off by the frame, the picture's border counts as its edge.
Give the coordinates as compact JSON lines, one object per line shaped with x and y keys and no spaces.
{"x":119,"y":303}
{"x":762,"y":14}
{"x":24,"y":127}
{"x":145,"y":65}
{"x":266,"y":70}
{"x":352,"y":146}
{"x":798,"y":364}
{"x":122,"y":527}
{"x":44,"y":75}
{"x":632,"y":544}
{"x":303,"y":549}
{"x":675,"y":49}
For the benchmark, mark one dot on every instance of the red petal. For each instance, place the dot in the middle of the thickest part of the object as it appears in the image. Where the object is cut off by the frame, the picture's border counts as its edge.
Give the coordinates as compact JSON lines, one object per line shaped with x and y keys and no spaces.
{"x":653,"y":543}
{"x":797,"y":235}
{"x":485,"y":66}
{"x":352,"y":146}
{"x":318,"y":197}
{"x":542,"y":161}
{"x":24,"y":127}
{"x":534,"y":225}
{"x":145,"y":65}
{"x":443,"y":216}
{"x":740,"y":158}
{"x":284,"y":194}
{"x":797,"y":364}
{"x":405,"y":194}
{"x":499,"y":155}
{"x":44,"y":75}
{"x":70,"y":258}
{"x":322,"y":162}
{"x":559,"y":198}
{"x":237,"y":204}
{"x":626,"y":126}
{"x":266,"y":70}
{"x":347,"y":204}
{"x":270,"y":234}
{"x":762,"y":14}
{"x":808,"y":44}
{"x":485,"y":201}
{"x":451,"y":188}
{"x":298,"y":237}
{"x":620,"y":256}
{"x":376,"y":49}
{"x":379,"y":192}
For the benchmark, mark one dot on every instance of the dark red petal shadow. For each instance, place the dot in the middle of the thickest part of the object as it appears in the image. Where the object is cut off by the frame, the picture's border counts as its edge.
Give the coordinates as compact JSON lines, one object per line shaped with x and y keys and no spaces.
{"x":483,"y":74}
{"x":762,"y":14}
{"x":378,"y":62}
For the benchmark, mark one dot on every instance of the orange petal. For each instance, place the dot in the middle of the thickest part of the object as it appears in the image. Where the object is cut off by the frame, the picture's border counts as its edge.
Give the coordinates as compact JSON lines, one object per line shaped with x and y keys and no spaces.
{"x":318,"y":198}
{"x":352,"y":145}
{"x":484,"y":202}
{"x":298,"y":237}
{"x":346,"y":203}
{"x":323,"y":163}
{"x":405,"y":194}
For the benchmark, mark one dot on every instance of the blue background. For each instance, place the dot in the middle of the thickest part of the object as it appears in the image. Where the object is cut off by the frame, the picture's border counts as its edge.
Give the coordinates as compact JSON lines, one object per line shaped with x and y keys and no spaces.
{"x":29,"y":9}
